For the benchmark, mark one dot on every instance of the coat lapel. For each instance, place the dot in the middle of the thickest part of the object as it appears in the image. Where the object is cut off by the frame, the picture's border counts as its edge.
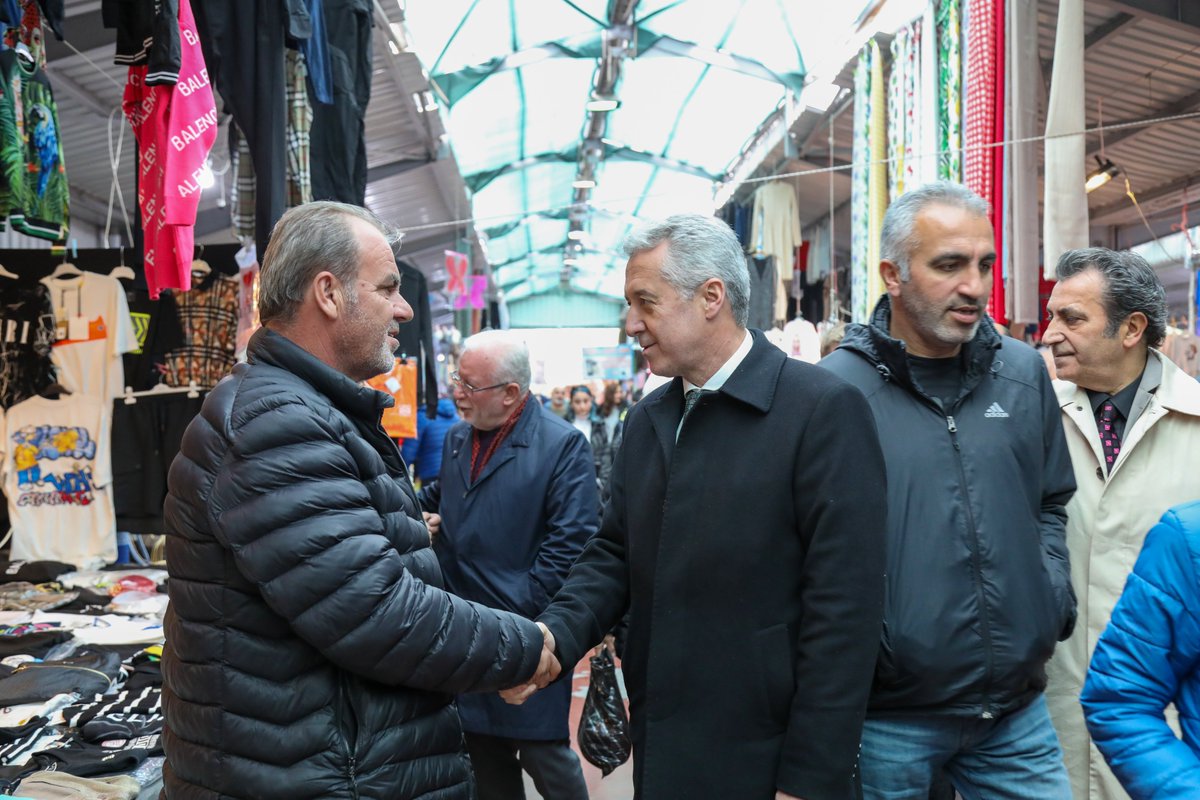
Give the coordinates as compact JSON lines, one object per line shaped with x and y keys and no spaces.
{"x":1077,"y":407}
{"x":753,"y":383}
{"x":461,"y":451}
{"x":665,"y":412}
{"x":755,"y":379}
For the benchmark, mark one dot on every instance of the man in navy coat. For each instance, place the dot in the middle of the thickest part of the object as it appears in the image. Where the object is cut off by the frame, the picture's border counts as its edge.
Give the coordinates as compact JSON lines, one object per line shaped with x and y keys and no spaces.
{"x":517,"y":497}
{"x":745,"y":537}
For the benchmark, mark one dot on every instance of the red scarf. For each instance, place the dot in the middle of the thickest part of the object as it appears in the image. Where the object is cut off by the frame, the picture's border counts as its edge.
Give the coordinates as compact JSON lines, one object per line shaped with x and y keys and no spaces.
{"x":477,"y":463}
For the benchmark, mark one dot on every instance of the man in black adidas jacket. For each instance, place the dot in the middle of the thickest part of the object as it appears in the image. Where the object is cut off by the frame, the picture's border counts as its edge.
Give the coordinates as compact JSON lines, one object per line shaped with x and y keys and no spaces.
{"x":311,"y":652}
{"x":978,"y":477}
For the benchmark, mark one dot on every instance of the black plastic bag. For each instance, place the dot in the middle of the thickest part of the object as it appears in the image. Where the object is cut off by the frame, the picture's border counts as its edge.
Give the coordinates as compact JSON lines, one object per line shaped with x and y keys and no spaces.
{"x":604,"y":726}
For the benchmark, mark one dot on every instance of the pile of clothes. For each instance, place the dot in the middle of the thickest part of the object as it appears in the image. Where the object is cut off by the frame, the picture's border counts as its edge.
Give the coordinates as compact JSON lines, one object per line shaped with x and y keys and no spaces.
{"x":80,"y":682}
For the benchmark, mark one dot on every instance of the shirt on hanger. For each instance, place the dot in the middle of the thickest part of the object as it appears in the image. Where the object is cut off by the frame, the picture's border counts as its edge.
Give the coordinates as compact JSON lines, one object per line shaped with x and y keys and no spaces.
{"x":176,"y":127}
{"x":57,"y":472}
{"x":775,"y":225}
{"x":35,"y":196}
{"x":157,"y":330}
{"x":26,"y":336}
{"x":209,"y":313}
{"x":90,"y":362}
{"x":802,"y":341}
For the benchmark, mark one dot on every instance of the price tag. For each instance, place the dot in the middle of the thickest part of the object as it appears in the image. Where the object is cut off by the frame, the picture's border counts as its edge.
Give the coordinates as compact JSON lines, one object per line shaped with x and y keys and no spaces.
{"x":77,"y":328}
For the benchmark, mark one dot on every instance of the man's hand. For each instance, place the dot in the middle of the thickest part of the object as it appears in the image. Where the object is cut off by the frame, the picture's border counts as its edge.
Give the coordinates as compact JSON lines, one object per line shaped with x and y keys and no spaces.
{"x":548,"y":669}
{"x":609,"y":643}
{"x":786,"y":796}
{"x":433,"y":522}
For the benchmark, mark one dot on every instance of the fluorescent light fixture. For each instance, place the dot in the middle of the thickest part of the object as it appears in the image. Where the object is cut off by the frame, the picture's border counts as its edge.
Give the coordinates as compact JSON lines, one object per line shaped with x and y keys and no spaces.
{"x":583,"y":184}
{"x":576,"y":235}
{"x":570,"y":262}
{"x":602,"y":104}
{"x":1105,"y":171}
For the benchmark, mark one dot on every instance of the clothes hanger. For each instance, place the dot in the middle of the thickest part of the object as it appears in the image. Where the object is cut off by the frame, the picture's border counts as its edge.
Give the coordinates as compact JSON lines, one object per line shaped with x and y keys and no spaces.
{"x":66,"y":270}
{"x":122,"y":271}
{"x":54,"y":391}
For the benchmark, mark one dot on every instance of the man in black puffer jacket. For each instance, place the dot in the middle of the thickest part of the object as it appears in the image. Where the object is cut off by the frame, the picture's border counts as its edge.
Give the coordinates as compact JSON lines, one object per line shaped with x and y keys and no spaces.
{"x":978,"y":587}
{"x":311,"y":652}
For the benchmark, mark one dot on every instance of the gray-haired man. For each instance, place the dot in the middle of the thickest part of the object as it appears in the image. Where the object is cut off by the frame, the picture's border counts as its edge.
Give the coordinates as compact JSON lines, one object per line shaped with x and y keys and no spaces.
{"x":743,"y":535}
{"x":978,"y":477}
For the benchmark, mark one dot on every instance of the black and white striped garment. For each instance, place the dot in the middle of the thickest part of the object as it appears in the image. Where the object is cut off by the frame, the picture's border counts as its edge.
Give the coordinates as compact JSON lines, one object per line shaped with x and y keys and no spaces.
{"x":126,"y":714}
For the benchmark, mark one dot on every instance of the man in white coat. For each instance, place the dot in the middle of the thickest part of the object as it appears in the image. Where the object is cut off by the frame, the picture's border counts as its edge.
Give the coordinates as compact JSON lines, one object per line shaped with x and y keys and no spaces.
{"x":1132,"y":422}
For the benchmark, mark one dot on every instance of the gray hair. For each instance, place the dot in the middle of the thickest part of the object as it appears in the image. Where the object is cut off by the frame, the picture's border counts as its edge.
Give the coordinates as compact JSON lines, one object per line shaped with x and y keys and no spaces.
{"x":1130,"y":284}
{"x":898,"y":238}
{"x":699,"y":248}
{"x":306,"y":241}
{"x":511,"y":353}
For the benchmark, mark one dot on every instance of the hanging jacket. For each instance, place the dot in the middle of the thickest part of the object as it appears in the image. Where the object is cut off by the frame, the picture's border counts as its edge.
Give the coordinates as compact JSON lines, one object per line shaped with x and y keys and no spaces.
{"x":978,"y":584}
{"x":311,"y":652}
{"x":424,"y":453}
{"x":1148,"y":658}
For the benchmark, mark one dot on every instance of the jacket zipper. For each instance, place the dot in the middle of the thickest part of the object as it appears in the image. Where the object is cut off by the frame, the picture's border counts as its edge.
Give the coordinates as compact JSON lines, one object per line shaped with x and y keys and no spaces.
{"x":977,"y":565}
{"x":351,"y":761}
{"x":24,"y":667}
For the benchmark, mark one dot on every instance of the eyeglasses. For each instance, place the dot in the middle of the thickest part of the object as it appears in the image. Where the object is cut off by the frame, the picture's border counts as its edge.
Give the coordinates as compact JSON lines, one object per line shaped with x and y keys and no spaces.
{"x":467,"y":388}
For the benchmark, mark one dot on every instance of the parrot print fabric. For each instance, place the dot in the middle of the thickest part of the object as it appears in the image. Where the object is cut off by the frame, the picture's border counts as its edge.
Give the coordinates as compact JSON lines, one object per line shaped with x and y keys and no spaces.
{"x":33,"y":179}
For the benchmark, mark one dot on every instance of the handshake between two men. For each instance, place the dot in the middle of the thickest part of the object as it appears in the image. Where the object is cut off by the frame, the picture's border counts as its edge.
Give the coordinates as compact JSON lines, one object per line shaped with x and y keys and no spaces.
{"x":547,"y":671}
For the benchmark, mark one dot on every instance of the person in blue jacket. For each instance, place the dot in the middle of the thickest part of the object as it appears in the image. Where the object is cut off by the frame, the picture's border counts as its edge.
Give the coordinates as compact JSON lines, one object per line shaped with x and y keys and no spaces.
{"x":424,"y":453}
{"x":1147,"y":658}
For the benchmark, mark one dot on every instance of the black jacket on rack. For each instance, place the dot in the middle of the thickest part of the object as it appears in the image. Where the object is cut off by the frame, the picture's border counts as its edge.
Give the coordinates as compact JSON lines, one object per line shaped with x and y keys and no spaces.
{"x":416,"y":338}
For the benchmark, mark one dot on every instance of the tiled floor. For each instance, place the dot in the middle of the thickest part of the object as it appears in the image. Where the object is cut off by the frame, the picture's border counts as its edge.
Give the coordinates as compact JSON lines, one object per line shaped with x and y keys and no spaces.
{"x":619,"y":784}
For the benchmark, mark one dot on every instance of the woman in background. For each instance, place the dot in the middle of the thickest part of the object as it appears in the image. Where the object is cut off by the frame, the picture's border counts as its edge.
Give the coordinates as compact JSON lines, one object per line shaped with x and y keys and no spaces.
{"x":584,"y":417}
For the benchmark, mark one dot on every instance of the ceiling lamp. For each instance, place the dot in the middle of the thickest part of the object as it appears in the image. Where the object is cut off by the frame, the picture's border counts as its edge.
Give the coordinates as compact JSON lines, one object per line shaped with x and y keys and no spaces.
{"x":583,"y":183}
{"x":602,"y":104}
{"x":1105,"y":171}
{"x":577,"y":234}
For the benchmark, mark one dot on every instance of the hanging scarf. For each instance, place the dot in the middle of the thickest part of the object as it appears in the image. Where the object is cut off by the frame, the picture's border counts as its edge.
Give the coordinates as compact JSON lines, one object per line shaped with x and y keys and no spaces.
{"x":477,"y":463}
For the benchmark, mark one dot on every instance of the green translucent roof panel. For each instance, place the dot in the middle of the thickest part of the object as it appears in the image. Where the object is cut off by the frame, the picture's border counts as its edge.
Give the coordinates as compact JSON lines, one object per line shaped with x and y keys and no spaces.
{"x":712,"y":127}
{"x":452,"y":34}
{"x":516,"y":75}
{"x":520,"y":113}
{"x":645,"y":118}
{"x":675,"y":193}
{"x":531,"y":235}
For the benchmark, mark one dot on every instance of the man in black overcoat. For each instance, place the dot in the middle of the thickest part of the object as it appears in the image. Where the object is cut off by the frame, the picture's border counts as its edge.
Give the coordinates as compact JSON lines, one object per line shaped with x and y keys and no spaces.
{"x":745,"y":538}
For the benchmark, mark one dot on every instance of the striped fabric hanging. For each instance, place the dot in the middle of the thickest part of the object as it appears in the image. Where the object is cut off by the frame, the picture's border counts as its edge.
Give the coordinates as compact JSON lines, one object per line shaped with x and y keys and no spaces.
{"x":983,"y":165}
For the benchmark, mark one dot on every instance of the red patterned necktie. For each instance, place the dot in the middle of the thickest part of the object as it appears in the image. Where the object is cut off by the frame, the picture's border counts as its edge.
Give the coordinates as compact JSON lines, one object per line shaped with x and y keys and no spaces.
{"x":1109,"y":440}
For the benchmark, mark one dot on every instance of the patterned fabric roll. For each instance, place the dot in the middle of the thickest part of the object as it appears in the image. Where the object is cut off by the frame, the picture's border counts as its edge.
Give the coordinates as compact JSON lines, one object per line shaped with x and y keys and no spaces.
{"x":897,"y":116}
{"x":949,"y":138}
{"x":983,"y":170}
{"x":877,"y":188}
{"x":859,"y":224}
